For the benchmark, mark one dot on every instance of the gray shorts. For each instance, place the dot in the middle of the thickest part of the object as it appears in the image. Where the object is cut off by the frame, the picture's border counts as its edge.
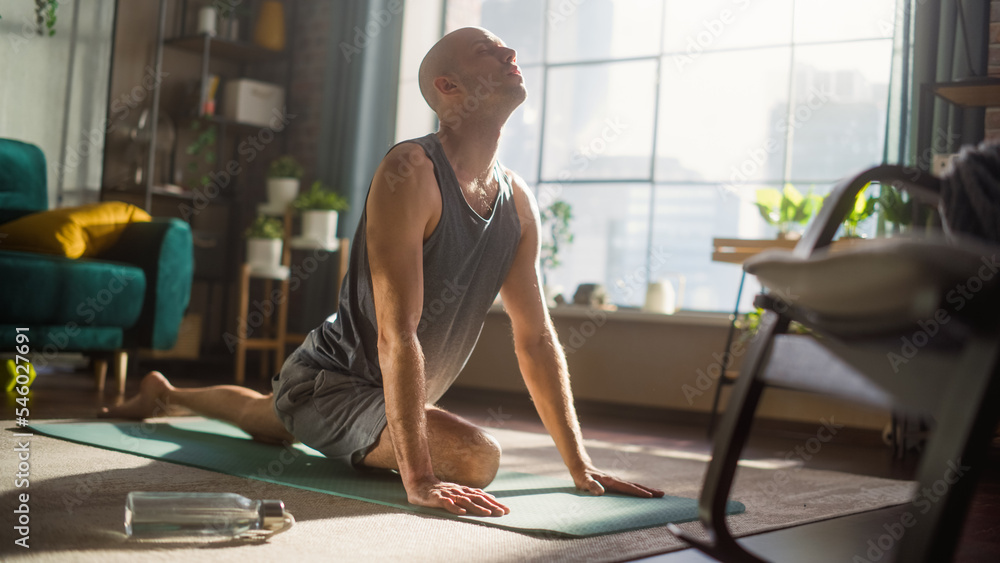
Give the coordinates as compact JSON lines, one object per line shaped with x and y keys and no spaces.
{"x":340,"y":415}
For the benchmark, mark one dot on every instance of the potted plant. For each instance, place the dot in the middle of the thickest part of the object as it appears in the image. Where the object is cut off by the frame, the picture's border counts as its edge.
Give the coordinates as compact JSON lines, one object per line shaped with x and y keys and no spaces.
{"x":556,"y":235}
{"x":320,"y":207}
{"x":895,"y":208}
{"x":283,"y":175}
{"x":864,"y":207}
{"x":786,"y":208}
{"x":202,"y":151}
{"x":264,"y":243}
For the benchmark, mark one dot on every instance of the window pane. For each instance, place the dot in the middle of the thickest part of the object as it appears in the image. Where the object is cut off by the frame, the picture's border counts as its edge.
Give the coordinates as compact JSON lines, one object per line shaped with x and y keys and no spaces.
{"x":603,"y":29}
{"x":519,"y":23}
{"x":521,"y":139}
{"x":839,"y":20}
{"x":610,"y":227}
{"x":693,"y":27}
{"x":838,"y":122}
{"x":686,"y":219}
{"x":598,"y":121}
{"x":722,"y":117}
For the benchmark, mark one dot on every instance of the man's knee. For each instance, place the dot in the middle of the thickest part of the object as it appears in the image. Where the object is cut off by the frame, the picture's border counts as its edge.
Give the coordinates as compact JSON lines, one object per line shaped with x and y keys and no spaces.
{"x":467,"y":455}
{"x":478,"y":458}
{"x":489,"y":460}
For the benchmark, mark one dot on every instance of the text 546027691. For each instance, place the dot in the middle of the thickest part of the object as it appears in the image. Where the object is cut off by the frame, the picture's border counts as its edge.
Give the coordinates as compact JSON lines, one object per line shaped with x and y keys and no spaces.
{"x":22,"y":440}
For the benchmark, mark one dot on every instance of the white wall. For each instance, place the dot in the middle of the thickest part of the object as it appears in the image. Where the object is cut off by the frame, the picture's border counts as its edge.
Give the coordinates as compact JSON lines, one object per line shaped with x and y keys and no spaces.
{"x":34,"y":74}
{"x":630,"y":359}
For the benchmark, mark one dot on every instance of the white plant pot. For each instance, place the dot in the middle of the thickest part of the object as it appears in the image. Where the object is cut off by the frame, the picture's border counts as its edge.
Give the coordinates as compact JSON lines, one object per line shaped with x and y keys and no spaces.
{"x":264,"y":253}
{"x":281,"y":192}
{"x":320,"y":226}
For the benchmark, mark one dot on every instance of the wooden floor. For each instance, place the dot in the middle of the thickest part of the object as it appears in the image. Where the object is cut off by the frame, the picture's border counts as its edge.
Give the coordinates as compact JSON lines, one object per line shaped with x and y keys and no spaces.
{"x":70,"y":395}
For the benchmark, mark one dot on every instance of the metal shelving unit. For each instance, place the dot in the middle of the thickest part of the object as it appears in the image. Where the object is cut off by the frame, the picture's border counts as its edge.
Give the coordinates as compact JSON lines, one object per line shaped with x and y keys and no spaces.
{"x":244,"y":55}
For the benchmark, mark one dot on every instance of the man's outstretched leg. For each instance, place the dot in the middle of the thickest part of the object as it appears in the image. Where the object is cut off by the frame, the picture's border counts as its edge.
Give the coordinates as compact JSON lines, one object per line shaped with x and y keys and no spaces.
{"x":251,"y":411}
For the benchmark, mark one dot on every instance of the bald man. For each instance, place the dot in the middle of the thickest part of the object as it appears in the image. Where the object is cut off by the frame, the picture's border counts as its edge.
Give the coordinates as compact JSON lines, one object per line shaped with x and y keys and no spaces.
{"x":445,"y":228}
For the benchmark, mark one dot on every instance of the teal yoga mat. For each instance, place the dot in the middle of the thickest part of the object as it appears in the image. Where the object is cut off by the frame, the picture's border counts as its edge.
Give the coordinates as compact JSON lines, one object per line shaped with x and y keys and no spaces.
{"x":537,"y":504}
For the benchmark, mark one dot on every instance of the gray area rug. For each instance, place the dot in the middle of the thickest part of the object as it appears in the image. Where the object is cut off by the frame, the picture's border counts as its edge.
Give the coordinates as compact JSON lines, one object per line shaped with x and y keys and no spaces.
{"x":77,"y":496}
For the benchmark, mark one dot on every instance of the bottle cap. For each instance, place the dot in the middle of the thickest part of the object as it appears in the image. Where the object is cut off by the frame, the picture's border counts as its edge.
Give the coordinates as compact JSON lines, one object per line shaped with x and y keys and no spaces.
{"x":272,"y":514}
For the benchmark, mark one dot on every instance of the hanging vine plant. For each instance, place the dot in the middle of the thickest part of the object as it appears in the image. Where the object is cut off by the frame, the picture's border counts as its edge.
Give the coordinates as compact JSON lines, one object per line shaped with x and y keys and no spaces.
{"x":45,"y":16}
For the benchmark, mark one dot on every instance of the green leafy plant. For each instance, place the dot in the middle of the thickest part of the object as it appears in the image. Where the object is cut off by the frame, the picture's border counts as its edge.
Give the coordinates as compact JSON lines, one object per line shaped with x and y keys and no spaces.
{"x":45,"y":15}
{"x":556,"y":220}
{"x":895,"y":207}
{"x":265,"y":227}
{"x":787,"y":207}
{"x":749,"y":324}
{"x":285,"y":166}
{"x":320,"y":198}
{"x":864,"y":207}
{"x":203,"y":151}
{"x":46,"y":9}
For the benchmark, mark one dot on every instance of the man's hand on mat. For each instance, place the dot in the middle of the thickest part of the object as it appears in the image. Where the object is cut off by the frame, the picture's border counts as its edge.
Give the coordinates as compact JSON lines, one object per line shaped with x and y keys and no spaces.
{"x":597,"y":482}
{"x":454,"y":498}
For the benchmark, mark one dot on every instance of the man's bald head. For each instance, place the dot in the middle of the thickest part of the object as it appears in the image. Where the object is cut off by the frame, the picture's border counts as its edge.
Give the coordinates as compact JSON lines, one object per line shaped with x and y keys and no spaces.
{"x":444,"y":58}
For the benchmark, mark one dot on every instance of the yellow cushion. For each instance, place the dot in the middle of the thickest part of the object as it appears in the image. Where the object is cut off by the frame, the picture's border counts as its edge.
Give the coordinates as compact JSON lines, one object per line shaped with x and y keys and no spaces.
{"x":71,"y":231}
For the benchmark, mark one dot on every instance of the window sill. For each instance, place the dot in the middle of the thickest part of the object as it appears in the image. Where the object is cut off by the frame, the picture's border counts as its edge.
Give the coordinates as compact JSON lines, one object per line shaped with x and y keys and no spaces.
{"x":685,"y":318}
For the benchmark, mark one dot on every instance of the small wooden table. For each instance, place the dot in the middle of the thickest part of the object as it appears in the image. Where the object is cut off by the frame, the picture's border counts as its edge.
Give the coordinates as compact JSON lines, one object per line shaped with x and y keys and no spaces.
{"x":272,"y":335}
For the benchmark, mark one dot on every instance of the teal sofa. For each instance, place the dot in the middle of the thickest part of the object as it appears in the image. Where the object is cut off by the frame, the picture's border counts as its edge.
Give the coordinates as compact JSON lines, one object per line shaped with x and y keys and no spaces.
{"x":133,"y":295}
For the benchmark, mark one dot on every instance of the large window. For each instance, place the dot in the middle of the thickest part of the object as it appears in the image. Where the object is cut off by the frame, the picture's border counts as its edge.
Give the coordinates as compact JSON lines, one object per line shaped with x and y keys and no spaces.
{"x":658,"y":120}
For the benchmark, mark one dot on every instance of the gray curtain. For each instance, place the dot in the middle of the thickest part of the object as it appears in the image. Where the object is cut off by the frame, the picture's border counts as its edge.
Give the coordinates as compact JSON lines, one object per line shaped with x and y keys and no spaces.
{"x":945,"y":41}
{"x":357,"y":127}
{"x":359,"y":98}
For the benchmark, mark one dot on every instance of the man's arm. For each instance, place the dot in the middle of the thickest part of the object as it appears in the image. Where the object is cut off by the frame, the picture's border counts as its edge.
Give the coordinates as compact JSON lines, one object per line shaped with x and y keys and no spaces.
{"x":541,"y":359}
{"x":401,"y":211}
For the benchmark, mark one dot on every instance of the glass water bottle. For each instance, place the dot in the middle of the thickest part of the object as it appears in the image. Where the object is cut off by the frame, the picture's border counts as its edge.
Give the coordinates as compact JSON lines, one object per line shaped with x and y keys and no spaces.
{"x":199,"y":515}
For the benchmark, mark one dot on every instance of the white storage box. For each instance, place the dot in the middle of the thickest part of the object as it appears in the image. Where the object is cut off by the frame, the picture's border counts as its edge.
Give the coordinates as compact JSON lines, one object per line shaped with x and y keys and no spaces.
{"x":253,"y":102}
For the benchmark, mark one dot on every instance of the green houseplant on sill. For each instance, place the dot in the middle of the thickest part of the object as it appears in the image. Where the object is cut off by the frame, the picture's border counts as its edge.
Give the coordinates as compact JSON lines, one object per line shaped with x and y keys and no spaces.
{"x":556,"y":235}
{"x":895,"y":208}
{"x":320,"y":207}
{"x":787,"y":207}
{"x":864,"y":207}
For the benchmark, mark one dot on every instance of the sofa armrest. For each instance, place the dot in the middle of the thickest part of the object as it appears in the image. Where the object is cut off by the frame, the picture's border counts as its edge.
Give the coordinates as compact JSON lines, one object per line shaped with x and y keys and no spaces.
{"x":163,"y":249}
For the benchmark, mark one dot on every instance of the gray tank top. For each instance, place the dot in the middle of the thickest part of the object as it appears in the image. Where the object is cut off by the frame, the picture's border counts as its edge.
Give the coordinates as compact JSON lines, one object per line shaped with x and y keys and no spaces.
{"x":466,"y":260}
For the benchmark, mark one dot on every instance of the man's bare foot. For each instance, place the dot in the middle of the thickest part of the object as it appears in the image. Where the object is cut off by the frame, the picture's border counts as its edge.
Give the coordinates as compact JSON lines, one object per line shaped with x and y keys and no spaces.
{"x":151,"y":400}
